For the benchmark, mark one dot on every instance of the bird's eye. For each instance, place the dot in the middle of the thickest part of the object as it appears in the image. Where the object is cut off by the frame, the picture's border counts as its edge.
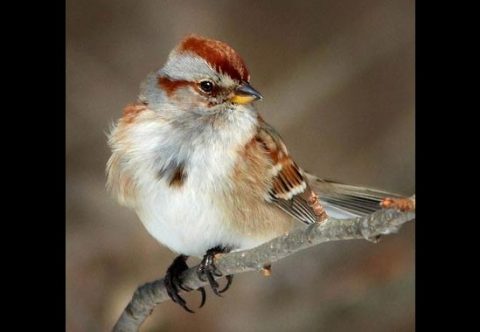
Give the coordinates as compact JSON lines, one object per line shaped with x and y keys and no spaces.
{"x":206,"y":86}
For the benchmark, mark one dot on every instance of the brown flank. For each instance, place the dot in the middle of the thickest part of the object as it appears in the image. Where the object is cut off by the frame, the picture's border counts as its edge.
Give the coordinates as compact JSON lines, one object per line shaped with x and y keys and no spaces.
{"x":131,"y":111}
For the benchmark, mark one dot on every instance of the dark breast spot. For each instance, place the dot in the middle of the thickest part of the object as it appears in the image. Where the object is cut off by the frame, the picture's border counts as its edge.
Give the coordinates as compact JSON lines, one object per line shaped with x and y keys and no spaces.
{"x":173,"y":173}
{"x":179,"y":176}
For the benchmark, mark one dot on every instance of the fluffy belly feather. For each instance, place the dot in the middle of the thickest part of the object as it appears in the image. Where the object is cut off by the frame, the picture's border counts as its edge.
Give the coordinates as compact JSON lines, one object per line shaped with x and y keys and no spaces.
{"x":190,"y":222}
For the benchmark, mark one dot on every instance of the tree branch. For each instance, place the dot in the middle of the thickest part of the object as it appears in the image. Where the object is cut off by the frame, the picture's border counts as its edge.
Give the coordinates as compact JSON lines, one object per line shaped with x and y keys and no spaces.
{"x":370,"y":227}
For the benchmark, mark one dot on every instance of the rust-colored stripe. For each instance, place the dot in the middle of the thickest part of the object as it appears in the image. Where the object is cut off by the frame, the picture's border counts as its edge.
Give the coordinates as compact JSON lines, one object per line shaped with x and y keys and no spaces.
{"x":170,"y":86}
{"x":277,"y":188}
{"x":288,"y":173}
{"x":284,"y":177}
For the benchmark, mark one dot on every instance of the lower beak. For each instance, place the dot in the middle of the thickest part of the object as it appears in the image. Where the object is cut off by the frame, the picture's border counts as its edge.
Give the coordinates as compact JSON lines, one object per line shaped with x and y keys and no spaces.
{"x":245,"y":94}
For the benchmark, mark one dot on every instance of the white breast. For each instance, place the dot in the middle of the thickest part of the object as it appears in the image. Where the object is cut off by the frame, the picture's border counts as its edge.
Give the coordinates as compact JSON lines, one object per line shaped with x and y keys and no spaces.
{"x":187,"y":219}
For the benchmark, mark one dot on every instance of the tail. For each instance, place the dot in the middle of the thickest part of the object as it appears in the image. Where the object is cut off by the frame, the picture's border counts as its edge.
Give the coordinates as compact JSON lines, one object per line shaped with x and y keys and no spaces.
{"x":346,"y":201}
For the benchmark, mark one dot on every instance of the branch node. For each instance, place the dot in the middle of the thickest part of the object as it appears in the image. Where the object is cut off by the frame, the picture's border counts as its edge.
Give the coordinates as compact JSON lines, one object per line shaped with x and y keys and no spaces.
{"x":267,"y":270}
{"x":374,"y":239}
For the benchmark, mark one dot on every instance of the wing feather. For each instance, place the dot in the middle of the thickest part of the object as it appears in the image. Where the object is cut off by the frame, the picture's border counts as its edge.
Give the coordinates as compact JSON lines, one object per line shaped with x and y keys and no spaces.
{"x":349,"y":199}
{"x":289,"y":190}
{"x":295,"y":191}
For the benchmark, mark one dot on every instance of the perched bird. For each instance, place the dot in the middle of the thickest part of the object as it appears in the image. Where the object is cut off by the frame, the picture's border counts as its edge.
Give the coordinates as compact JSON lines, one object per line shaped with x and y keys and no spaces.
{"x":205,"y":173}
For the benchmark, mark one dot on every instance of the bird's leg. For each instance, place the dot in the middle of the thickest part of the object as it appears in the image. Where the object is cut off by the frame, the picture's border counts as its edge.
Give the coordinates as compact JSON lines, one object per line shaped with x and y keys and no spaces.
{"x":173,"y":284}
{"x":207,"y":271}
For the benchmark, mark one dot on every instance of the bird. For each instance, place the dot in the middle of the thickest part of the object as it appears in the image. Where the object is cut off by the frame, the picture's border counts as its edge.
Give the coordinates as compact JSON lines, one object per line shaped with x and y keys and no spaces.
{"x":205,"y":173}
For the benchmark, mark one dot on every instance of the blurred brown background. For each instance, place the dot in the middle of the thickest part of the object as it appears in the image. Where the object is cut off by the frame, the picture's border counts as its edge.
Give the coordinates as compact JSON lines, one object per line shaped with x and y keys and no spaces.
{"x":338,"y":82}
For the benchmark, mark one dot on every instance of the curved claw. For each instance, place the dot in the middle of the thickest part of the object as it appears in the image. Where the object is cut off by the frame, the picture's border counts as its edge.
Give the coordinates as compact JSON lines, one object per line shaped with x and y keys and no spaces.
{"x":201,"y":290}
{"x":213,"y":283}
{"x":229,"y":282}
{"x":172,"y":291}
{"x":204,"y":296}
{"x":173,"y":284}
{"x":207,"y":271}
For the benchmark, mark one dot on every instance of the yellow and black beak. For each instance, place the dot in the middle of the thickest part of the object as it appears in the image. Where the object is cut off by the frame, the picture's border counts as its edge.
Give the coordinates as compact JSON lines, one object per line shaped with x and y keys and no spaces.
{"x":245,"y":94}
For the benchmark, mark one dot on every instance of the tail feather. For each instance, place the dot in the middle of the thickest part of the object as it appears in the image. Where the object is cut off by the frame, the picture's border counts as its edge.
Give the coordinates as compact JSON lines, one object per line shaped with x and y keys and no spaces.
{"x":347,"y":201}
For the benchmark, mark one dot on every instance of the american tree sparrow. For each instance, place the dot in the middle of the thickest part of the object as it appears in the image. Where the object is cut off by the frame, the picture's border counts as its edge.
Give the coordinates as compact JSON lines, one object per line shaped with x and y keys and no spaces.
{"x":205,"y":173}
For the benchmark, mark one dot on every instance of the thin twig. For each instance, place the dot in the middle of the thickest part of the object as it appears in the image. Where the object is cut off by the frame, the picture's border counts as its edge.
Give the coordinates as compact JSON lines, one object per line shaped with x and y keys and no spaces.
{"x":370,"y":227}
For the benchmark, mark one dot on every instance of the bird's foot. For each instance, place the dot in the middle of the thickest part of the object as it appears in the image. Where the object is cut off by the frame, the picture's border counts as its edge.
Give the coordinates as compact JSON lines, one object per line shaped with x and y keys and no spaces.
{"x":173,"y":284}
{"x":207,"y":271}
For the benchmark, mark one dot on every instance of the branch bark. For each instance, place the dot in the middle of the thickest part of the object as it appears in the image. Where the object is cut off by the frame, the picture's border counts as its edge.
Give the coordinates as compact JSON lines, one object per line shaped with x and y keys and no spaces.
{"x":370,"y":227}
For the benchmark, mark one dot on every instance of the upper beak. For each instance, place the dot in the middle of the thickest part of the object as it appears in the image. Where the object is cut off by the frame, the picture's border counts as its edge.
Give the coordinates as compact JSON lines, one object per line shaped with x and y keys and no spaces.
{"x":245,"y":94}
